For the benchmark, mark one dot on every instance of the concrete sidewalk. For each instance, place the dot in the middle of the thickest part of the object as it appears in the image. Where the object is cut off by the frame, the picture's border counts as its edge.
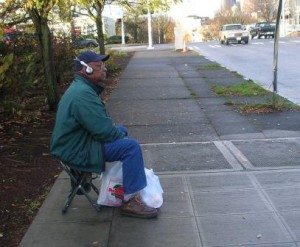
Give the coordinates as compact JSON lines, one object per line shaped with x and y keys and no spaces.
{"x":229,"y":179}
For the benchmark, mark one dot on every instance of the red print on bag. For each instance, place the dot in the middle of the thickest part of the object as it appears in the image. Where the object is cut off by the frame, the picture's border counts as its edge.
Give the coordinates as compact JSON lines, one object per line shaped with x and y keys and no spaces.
{"x":117,"y":191}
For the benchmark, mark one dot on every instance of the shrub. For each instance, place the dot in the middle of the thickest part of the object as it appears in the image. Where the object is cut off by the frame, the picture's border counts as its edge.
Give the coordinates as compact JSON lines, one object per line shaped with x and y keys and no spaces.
{"x":111,"y":64}
{"x":63,"y":55}
{"x":22,"y":81}
{"x":116,"y":39}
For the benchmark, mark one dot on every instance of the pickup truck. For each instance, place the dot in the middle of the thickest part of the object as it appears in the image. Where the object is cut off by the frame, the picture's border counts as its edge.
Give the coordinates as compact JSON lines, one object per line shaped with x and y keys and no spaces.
{"x":266,"y":29}
{"x":233,"y":33}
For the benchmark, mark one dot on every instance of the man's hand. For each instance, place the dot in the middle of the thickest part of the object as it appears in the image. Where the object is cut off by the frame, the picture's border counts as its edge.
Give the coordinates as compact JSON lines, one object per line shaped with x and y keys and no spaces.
{"x":122,"y":129}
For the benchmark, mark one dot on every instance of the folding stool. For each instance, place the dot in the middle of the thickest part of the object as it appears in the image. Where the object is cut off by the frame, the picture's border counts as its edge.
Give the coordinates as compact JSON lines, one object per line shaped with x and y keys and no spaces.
{"x":79,"y":180}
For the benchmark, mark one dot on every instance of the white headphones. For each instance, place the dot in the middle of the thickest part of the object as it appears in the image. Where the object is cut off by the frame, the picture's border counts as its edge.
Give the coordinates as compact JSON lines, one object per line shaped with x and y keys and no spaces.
{"x":89,"y":70}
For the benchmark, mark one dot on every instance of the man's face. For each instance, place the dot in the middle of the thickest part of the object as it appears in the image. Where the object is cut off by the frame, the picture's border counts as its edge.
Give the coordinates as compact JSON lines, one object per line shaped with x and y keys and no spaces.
{"x":99,"y":73}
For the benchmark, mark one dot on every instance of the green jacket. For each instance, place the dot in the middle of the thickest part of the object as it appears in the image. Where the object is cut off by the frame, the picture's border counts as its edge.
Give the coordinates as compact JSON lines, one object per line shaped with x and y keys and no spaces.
{"x":82,"y":127}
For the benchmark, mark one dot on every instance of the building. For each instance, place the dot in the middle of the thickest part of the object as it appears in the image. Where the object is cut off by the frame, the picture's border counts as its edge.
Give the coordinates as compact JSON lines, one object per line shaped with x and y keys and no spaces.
{"x":83,"y":24}
{"x":248,"y":6}
{"x":87,"y":26}
{"x":227,"y":4}
{"x":290,"y":24}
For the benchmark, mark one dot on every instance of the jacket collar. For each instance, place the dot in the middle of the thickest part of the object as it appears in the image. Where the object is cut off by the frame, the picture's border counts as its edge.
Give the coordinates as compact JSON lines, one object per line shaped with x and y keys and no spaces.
{"x":83,"y":78}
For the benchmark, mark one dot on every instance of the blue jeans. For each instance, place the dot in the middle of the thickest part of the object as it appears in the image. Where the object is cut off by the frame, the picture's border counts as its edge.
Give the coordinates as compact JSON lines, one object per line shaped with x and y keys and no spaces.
{"x":129,"y":152}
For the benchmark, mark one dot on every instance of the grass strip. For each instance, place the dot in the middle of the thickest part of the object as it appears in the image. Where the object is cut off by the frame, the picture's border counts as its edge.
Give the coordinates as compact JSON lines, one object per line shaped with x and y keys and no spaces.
{"x":244,"y":89}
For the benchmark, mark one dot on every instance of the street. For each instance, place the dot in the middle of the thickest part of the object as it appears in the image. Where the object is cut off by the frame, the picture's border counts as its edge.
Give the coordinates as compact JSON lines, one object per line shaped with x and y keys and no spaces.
{"x":255,"y":61}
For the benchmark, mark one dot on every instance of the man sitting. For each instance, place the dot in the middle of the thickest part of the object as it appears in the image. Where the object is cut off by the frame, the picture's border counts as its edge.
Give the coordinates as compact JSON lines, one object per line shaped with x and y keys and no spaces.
{"x":85,"y":137}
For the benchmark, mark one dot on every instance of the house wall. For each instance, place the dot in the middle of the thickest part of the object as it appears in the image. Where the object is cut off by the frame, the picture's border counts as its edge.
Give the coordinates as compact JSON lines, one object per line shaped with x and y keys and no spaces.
{"x":88,"y":26}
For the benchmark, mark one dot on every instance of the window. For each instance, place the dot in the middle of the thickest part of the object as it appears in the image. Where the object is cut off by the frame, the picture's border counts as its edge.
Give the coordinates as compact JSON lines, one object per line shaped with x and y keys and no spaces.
{"x":298,"y":3}
{"x":234,"y":27}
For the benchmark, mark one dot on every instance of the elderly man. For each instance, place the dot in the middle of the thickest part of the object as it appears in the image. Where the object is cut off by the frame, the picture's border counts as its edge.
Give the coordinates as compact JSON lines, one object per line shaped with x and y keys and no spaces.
{"x":85,"y":136}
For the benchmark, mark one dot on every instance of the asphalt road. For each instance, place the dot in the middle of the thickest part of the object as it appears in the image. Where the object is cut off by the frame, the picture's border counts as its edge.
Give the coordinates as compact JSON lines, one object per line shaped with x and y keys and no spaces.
{"x":255,"y":61}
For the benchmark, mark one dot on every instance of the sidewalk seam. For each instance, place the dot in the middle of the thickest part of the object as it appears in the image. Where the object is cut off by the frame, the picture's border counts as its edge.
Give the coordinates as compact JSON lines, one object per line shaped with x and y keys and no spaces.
{"x":228,"y":155}
{"x":239,"y":155}
{"x":268,"y":202}
{"x":186,"y":184}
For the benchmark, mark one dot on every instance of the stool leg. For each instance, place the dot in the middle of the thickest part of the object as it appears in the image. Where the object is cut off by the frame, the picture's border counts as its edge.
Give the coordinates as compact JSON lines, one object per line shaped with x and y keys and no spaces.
{"x":94,"y":204}
{"x":69,"y":199}
{"x":95,"y":188}
{"x":71,"y":194}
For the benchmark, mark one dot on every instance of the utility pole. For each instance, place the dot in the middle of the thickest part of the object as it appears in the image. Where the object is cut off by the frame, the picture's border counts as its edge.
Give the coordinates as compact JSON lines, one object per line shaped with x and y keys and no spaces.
{"x":123,"y":32}
{"x":275,"y":60}
{"x":150,"y":42}
{"x":158,"y":30}
{"x":283,"y":19}
{"x":122,"y":27}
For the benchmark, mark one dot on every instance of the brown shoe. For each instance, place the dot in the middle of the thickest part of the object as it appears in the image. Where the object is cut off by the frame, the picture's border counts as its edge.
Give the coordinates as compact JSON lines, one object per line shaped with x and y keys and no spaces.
{"x":136,"y":208}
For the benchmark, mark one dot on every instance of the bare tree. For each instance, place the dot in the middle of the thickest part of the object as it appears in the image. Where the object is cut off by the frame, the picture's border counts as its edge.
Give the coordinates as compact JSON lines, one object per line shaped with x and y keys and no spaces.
{"x":163,"y":24}
{"x":265,"y":9}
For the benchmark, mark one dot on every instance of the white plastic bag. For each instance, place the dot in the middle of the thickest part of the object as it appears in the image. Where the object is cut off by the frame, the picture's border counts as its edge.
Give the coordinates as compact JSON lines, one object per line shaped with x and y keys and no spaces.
{"x":111,"y":191}
{"x":152,"y":194}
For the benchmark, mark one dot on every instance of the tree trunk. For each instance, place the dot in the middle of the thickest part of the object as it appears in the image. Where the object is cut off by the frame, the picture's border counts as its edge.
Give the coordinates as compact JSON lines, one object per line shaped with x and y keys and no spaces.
{"x":53,"y":96}
{"x":99,"y":25}
{"x":73,"y":34}
{"x":45,"y":43}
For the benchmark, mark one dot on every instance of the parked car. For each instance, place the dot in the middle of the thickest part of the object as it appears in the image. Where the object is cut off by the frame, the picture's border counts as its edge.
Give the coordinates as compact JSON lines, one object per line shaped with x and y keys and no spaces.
{"x":233,"y":33}
{"x":266,"y":29}
{"x":81,"y":42}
